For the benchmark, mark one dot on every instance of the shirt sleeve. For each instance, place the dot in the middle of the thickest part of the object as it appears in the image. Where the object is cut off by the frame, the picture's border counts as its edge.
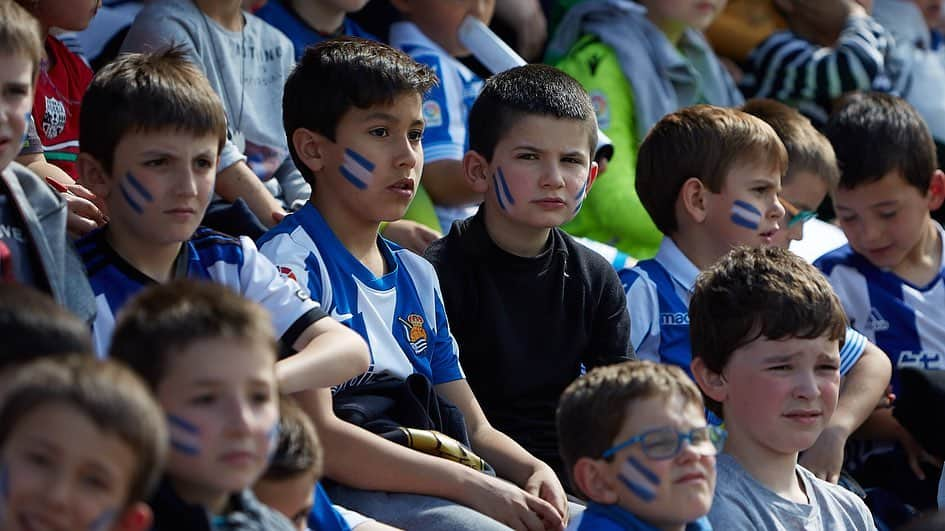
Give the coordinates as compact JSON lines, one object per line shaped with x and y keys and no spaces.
{"x":853,"y":346}
{"x":643,"y":305}
{"x":444,"y":364}
{"x":31,"y":142}
{"x":444,"y":137}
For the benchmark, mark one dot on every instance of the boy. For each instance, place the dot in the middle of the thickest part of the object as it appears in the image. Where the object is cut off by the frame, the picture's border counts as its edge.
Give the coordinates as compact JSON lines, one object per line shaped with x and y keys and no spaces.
{"x":307,"y":22}
{"x":639,"y":61}
{"x":766,"y":333}
{"x":506,"y":272}
{"x":360,"y":148}
{"x":34,"y":248}
{"x":208,"y":355}
{"x":153,"y":162}
{"x":429,"y":33}
{"x":636,"y":444}
{"x":889,"y":276}
{"x":710,"y":179}
{"x":82,"y":444}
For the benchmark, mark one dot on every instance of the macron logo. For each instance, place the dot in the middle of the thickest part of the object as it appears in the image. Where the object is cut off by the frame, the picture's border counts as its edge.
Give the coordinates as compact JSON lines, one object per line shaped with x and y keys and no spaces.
{"x":674,"y":319}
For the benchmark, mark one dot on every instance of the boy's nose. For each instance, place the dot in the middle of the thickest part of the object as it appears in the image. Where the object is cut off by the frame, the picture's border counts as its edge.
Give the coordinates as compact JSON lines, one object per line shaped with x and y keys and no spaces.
{"x":777,"y":209}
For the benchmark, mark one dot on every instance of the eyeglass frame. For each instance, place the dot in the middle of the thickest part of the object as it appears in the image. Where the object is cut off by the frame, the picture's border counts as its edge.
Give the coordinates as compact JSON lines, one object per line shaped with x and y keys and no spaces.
{"x":680,"y":437}
{"x":797,"y":215}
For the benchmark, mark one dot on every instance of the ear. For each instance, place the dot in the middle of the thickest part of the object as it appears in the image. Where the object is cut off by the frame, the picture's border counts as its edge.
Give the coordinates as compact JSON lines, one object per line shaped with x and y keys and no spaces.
{"x":137,"y":517}
{"x":477,"y":171}
{"x":936,"y":190}
{"x":692,"y":194}
{"x":591,"y":479}
{"x":712,"y":383}
{"x":308,"y":147}
{"x":93,"y":176}
{"x":592,"y":174}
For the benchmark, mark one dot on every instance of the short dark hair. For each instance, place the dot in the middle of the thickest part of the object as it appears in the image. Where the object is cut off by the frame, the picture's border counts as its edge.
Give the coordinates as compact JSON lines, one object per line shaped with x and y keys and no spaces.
{"x":591,"y":410}
{"x":164,"y":319}
{"x":807,"y":148}
{"x":147,"y":92}
{"x":20,"y":34}
{"x":759,"y":292}
{"x":106,"y":392}
{"x":337,"y":74}
{"x":702,"y":142}
{"x":33,"y":326}
{"x":529,"y":90}
{"x":874,"y":134}
{"x":298,"y":451}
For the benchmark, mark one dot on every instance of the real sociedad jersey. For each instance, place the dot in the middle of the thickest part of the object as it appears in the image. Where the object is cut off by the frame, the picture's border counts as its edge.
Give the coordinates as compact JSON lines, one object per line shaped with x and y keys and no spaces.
{"x":905,"y":320}
{"x":210,"y":255}
{"x":400,"y":314}
{"x":286,"y":20}
{"x":658,"y":292}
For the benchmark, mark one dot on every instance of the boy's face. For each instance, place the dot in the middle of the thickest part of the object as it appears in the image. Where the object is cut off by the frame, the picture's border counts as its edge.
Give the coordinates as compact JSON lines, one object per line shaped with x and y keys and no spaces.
{"x":219,"y":396}
{"x":886,"y":220}
{"x":931,"y":11}
{"x":803,"y":194}
{"x":540,"y":173}
{"x":61,"y":472}
{"x":293,"y":497}
{"x":372,"y":169}
{"x":663,"y":492}
{"x":696,"y":14}
{"x":440,"y":19}
{"x":746,"y":211}
{"x":347,"y":6}
{"x":16,"y":100}
{"x":160,"y":184}
{"x":777,"y":396}
{"x":70,"y":15}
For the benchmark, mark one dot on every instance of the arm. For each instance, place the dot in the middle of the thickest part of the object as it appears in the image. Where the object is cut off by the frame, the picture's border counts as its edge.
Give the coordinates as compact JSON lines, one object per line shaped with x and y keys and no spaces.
{"x":528,"y":20}
{"x":240,"y":181}
{"x":881,"y":425}
{"x":328,"y":353}
{"x":445,"y":183}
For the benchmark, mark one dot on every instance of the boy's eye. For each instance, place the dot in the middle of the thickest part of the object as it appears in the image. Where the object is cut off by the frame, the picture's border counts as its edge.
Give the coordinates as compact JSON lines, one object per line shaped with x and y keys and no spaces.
{"x":38,"y":458}
{"x":828,"y":367}
{"x":415,"y":135}
{"x":203,"y":400}
{"x":527,"y":156}
{"x":203,"y":163}
{"x":96,"y":482}
{"x":379,"y":131}
{"x":155,"y":162}
{"x":887,"y":215}
{"x":261,"y":397}
{"x":779,"y":367}
{"x":573,"y":160}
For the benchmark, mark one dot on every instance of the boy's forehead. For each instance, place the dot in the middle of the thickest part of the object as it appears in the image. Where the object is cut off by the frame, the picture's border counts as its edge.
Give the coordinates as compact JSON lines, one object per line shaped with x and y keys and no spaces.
{"x":407,"y":106}
{"x":17,"y":68}
{"x":534,"y":129}
{"x":666,"y":408}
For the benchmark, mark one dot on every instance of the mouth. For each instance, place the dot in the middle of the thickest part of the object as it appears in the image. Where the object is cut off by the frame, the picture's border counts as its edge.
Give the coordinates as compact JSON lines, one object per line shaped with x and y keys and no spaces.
{"x":804,"y":416}
{"x":239,"y":457}
{"x":691,"y":477}
{"x":403,"y":185}
{"x":550,"y":202}
{"x":768,"y":235}
{"x":36,"y":522}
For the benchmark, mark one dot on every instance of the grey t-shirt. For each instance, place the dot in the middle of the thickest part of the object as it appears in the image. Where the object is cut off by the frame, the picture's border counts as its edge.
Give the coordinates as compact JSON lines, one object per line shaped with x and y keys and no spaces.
{"x":742,"y":503}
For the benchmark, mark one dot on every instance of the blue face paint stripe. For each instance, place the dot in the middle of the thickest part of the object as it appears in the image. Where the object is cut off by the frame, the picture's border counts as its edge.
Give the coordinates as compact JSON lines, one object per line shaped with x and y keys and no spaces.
{"x":139,"y":187}
{"x":644,"y":471}
{"x":742,"y":222}
{"x":505,"y":187}
{"x":638,"y":490}
{"x":104,"y":520}
{"x":360,"y":159}
{"x":182,"y":424}
{"x":580,"y":194}
{"x":498,"y":195}
{"x":184,"y":448}
{"x":131,"y":202}
{"x":358,"y":183}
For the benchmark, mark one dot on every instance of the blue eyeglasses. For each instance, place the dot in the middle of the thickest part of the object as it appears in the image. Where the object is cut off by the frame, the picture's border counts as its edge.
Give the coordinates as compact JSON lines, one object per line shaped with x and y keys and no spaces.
{"x":665,"y":443}
{"x":794,"y":214}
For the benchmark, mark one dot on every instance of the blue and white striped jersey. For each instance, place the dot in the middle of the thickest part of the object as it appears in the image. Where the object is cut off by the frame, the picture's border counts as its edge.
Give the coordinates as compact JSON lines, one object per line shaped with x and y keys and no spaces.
{"x":906,"y":321}
{"x":400,"y":314}
{"x":658,"y":292}
{"x":210,"y":255}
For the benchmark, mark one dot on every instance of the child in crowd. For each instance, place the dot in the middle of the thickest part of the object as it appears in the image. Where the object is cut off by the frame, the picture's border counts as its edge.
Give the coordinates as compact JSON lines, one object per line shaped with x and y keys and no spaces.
{"x":639,"y":61}
{"x":506,"y":273}
{"x":82,"y":444}
{"x":353,"y":112}
{"x":889,"y":277}
{"x":766,"y":334}
{"x":430,"y":35}
{"x":209,"y":356}
{"x":34,"y":249}
{"x":307,"y":22}
{"x":636,"y":444}
{"x":153,"y":161}
{"x":710,"y":178}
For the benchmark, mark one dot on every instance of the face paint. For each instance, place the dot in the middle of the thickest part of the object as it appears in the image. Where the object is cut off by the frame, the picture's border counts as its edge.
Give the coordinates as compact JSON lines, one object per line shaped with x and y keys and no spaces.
{"x":745,"y":215}
{"x":498,"y":181}
{"x":137,"y":189}
{"x":580,"y":196}
{"x":357,"y":169}
{"x":185,"y":437}
{"x":639,"y":479}
{"x":104,"y":520}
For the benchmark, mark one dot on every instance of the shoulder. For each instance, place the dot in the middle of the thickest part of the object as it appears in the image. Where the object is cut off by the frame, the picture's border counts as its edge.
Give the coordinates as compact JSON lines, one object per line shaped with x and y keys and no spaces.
{"x":844,"y":255}
{"x":847,"y":502}
{"x":589,"y":262}
{"x":449,"y":248}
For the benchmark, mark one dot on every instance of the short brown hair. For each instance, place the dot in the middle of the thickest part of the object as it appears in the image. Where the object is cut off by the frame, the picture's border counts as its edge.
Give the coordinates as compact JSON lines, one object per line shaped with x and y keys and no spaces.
{"x":106,"y":392}
{"x":147,"y":92}
{"x":759,"y":292}
{"x":702,"y":142}
{"x":298,"y":450}
{"x":164,"y":319}
{"x":20,"y":34}
{"x":808,"y":150}
{"x":591,"y":410}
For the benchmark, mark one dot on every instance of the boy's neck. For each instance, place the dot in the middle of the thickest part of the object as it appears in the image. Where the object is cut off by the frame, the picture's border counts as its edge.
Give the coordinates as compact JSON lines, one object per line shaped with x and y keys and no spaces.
{"x":673,"y":30}
{"x":696,"y":247}
{"x":514,"y":238}
{"x":155,"y":261}
{"x":923,"y":263}
{"x":775,"y":470}
{"x":227,"y":13}
{"x":325,"y":19}
{"x":359,"y":237}
{"x":211,"y":499}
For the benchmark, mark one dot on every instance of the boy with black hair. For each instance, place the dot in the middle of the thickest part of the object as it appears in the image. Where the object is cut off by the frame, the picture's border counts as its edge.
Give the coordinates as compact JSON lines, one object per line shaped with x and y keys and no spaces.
{"x":766,"y":333}
{"x":523,"y":297}
{"x":353,"y":115}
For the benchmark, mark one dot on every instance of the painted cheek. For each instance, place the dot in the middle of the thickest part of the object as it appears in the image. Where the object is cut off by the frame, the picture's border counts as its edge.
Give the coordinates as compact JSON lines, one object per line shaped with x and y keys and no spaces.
{"x":26,"y":121}
{"x":104,"y":521}
{"x":745,"y":215}
{"x":134,"y":193}
{"x":357,"y":169}
{"x":579,"y":198}
{"x":501,"y":187}
{"x":639,"y":479}
{"x":185,"y":436}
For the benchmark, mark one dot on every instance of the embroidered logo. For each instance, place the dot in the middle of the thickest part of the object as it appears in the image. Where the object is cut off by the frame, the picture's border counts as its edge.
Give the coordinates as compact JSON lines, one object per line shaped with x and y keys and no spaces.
{"x":416,"y":334}
{"x":876,"y":322}
{"x":432,"y":114}
{"x":601,"y":108}
{"x":287,"y":273}
{"x":54,"y":120}
{"x":674,"y":319}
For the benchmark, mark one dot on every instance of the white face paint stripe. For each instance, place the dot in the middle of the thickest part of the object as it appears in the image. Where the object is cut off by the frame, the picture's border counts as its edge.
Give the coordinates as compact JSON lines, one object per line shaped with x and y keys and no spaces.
{"x":746,"y":215}
{"x":357,"y":169}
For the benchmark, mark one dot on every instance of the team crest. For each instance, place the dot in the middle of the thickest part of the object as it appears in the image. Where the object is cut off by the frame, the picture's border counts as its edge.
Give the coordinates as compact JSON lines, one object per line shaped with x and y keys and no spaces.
{"x":287,"y":272}
{"x":432,"y":115}
{"x":416,"y":334}
{"x":601,"y":108}
{"x":54,"y":120}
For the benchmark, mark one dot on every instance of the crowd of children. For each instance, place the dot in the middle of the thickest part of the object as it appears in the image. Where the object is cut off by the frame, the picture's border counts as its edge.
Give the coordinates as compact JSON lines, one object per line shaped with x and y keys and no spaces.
{"x":260,"y":270}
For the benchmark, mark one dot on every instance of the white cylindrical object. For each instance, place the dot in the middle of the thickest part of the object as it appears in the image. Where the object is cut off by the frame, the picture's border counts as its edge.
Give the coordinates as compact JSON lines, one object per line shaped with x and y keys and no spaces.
{"x":491,"y":51}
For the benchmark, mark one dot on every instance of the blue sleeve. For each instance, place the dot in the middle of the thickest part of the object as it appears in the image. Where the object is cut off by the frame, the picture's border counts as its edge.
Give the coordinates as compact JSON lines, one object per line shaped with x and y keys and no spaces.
{"x":323,"y":516}
{"x":643,"y":305}
{"x":445,"y":127}
{"x":445,"y":361}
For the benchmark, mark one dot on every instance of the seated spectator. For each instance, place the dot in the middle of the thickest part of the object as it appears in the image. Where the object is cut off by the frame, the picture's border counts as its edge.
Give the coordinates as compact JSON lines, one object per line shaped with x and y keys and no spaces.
{"x":307,"y":22}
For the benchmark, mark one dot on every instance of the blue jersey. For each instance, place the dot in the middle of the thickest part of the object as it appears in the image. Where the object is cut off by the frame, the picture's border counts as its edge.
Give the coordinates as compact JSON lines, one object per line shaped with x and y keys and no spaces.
{"x":905,"y":320}
{"x":399,"y":314}
{"x":599,"y":517}
{"x":285,"y":19}
{"x":323,"y":516}
{"x":210,"y":255}
{"x":658,"y":292}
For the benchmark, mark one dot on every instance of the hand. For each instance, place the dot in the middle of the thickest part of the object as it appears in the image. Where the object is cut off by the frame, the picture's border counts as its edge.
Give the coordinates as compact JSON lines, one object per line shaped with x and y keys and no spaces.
{"x":531,"y":27}
{"x":544,"y":484}
{"x":825,"y":458}
{"x":411,"y":235}
{"x":887,"y":400}
{"x":278,"y":216}
{"x":916,"y":455}
{"x":514,"y":507}
{"x":86,"y":211}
